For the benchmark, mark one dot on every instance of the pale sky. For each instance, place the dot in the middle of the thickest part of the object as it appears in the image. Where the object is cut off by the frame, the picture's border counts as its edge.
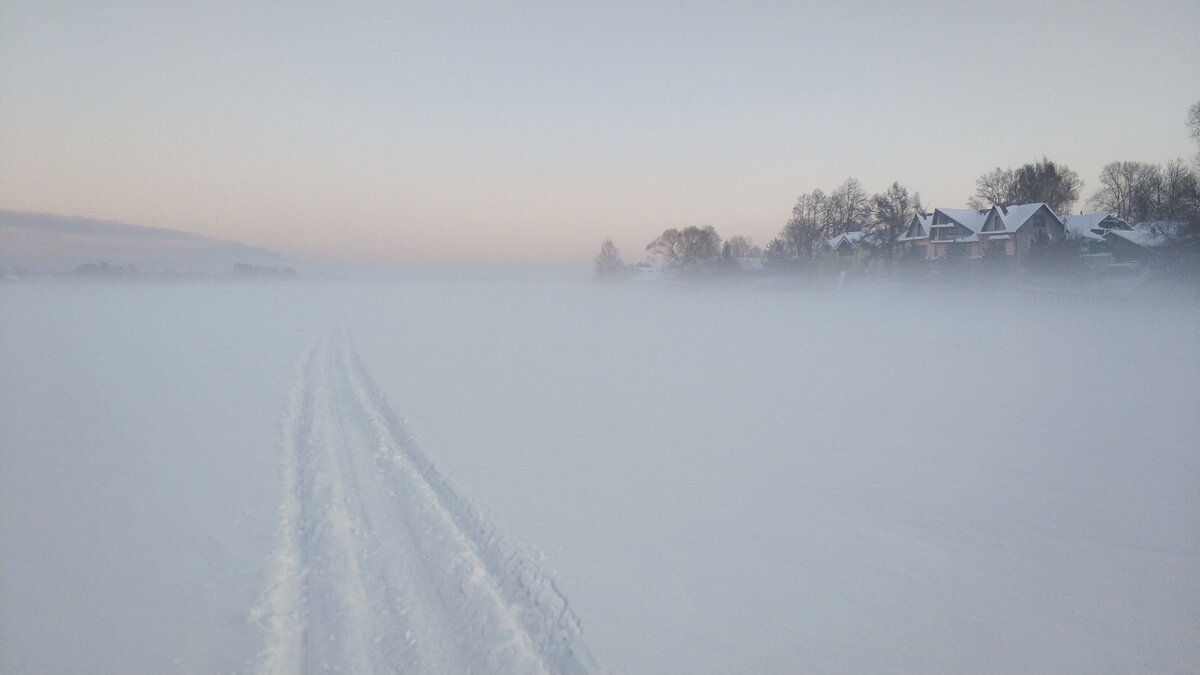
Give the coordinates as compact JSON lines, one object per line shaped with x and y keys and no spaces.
{"x":518,"y":132}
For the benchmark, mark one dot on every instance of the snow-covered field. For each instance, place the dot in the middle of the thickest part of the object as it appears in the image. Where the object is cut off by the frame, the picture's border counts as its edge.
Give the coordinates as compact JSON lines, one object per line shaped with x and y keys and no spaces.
{"x":439,"y":476}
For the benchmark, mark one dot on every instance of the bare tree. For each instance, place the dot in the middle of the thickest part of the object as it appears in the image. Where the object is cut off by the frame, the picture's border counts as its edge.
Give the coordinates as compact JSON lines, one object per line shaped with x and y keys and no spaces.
{"x":1056,"y":185}
{"x":687,"y":249}
{"x":608,"y":261}
{"x":806,"y":226}
{"x":1147,"y":193}
{"x":1193,"y":123}
{"x":817,"y":215}
{"x":1118,"y":183}
{"x":741,"y":247}
{"x":848,"y":209}
{"x":995,"y":187}
{"x":894,"y":209}
{"x":1179,"y":197}
{"x":1140,"y":192}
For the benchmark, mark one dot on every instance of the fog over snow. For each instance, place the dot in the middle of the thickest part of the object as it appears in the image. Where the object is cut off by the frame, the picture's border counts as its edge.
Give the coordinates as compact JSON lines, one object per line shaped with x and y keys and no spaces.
{"x":440,"y":476}
{"x":298,"y":372}
{"x":43,"y":242}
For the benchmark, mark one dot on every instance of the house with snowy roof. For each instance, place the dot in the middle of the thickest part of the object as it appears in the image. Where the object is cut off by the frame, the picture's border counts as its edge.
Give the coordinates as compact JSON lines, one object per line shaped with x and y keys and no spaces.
{"x":1092,"y":226}
{"x":1148,"y":242}
{"x":974,"y":233}
{"x":847,"y":251}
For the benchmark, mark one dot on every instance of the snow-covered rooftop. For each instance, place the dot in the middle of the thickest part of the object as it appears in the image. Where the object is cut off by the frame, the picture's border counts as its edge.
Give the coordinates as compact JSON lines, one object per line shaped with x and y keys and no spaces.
{"x":852,"y":238}
{"x":924,"y":221}
{"x":1015,"y":216}
{"x":1011,"y":217}
{"x":1084,"y":224}
{"x":972,"y":219}
{"x":1150,"y":235}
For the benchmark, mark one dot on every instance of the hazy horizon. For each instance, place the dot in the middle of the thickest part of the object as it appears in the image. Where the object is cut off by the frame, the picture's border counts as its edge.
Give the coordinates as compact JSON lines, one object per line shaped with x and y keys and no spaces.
{"x":524,"y":134}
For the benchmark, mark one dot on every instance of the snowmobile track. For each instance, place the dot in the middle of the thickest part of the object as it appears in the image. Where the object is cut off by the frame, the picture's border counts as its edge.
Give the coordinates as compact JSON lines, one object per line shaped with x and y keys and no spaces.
{"x":379,"y":565}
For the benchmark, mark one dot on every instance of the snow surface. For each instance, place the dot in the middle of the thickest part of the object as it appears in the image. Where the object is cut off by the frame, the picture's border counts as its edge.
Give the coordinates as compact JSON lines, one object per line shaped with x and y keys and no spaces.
{"x":515,"y":476}
{"x":380,"y":565}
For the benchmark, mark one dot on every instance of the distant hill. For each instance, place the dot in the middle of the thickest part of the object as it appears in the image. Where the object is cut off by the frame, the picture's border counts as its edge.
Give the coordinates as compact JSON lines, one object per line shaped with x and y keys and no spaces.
{"x":43,"y":242}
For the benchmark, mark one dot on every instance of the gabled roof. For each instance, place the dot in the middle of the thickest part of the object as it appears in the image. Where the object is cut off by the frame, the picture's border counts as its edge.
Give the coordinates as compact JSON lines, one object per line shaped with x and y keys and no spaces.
{"x":972,"y":219}
{"x":854,"y":239}
{"x":1086,"y":225}
{"x":1093,"y":225}
{"x":1084,"y":221}
{"x":1017,"y":215}
{"x":1083,"y":224}
{"x":1010,"y":218}
{"x":923,"y":222}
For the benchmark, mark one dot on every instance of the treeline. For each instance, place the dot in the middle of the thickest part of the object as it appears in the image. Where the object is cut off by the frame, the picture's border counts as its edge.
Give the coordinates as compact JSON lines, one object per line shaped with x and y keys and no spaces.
{"x":1132,"y":191}
{"x":1141,"y":192}
{"x":815,"y":217}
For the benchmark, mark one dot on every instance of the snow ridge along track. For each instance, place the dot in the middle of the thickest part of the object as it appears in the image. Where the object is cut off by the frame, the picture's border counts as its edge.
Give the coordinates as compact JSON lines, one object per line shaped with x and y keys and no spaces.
{"x":380,"y":566}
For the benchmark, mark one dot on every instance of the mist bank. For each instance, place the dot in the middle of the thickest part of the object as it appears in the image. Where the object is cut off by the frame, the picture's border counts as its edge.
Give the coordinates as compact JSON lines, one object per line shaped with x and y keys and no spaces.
{"x":944,"y":291}
{"x":41,"y":243}
{"x":717,"y":479}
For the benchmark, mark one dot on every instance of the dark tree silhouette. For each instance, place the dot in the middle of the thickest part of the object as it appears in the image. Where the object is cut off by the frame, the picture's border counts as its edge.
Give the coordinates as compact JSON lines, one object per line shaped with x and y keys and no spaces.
{"x":1056,"y":185}
{"x":686,"y":250}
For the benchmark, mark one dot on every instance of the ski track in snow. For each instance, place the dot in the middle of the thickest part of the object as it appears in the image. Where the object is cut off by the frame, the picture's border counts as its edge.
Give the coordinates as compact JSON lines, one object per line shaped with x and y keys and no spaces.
{"x":380,"y":566}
